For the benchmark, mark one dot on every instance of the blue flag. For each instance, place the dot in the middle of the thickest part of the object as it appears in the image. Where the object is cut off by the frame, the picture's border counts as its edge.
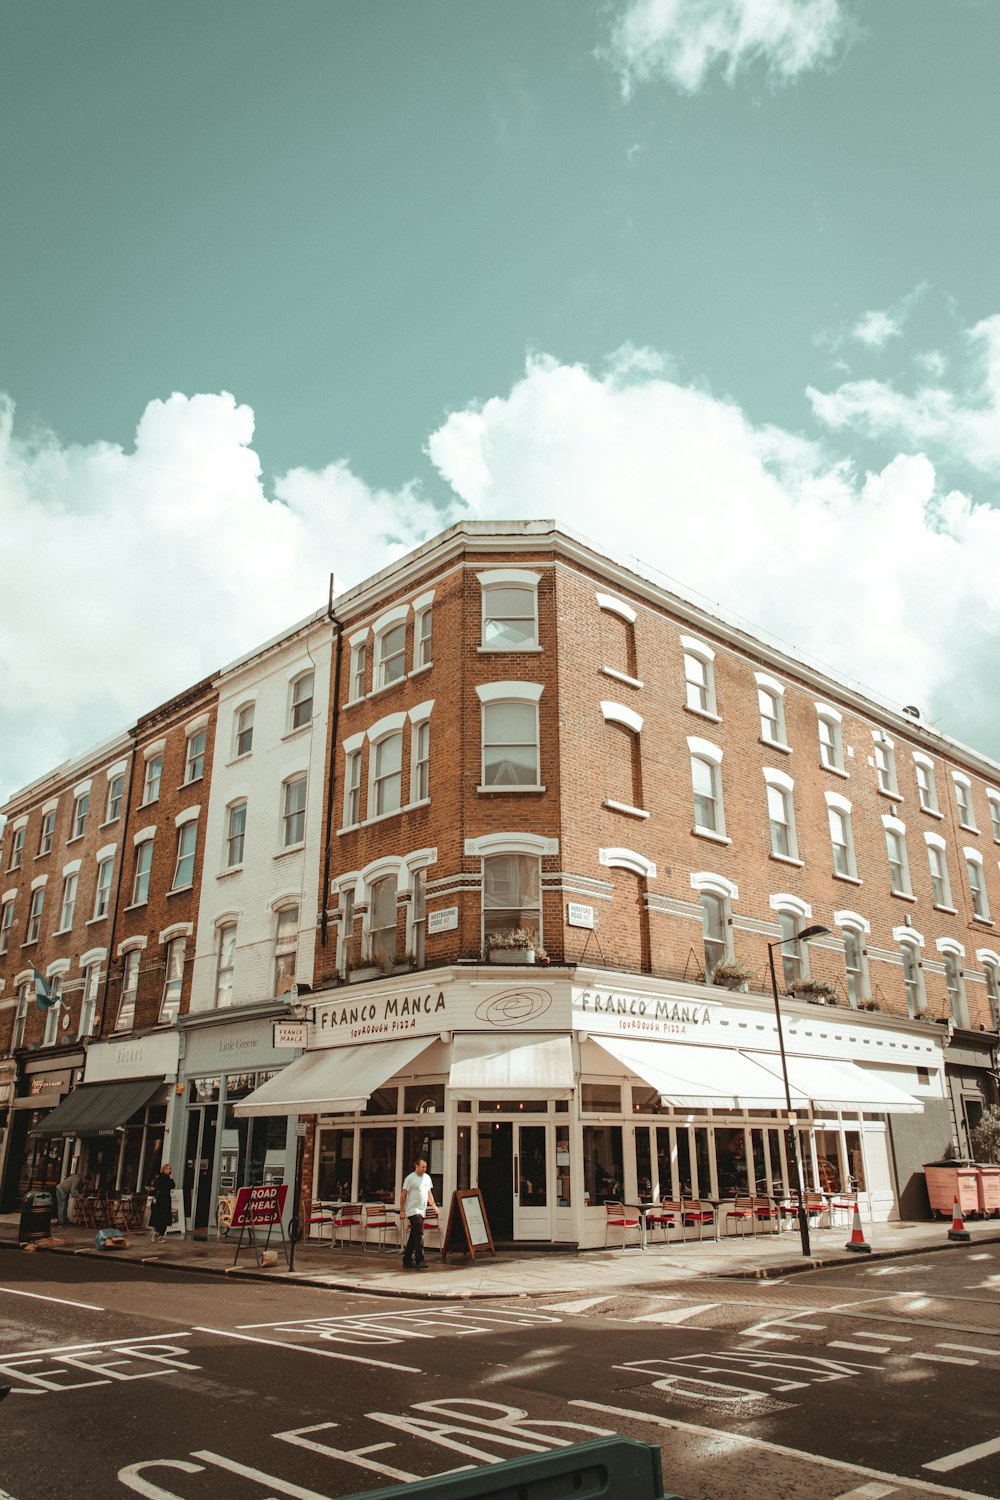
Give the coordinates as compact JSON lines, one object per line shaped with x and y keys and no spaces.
{"x":44,"y":997}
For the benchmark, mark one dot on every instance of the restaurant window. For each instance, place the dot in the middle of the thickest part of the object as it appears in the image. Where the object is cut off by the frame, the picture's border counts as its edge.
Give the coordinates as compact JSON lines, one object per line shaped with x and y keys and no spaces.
{"x":425,"y":1140}
{"x":603,"y":1163}
{"x":335,"y":1168}
{"x":383,"y":1101}
{"x":731,"y":1162}
{"x":377,"y":1166}
{"x":601,"y":1098}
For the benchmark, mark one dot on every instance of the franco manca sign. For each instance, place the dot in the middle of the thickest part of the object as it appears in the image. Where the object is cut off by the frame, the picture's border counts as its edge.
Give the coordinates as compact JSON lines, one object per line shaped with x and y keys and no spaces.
{"x":618,"y":1013}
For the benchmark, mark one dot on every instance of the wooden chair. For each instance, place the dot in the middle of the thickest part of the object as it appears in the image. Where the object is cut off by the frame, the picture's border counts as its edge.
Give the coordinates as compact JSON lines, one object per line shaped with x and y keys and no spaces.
{"x":318,"y":1217}
{"x":619,"y":1218}
{"x":86,"y":1211}
{"x":816,"y":1207}
{"x":663,"y":1216}
{"x":766,"y":1210}
{"x":383,"y":1220}
{"x":348,"y":1217}
{"x":742,"y":1210}
{"x":698,"y":1211}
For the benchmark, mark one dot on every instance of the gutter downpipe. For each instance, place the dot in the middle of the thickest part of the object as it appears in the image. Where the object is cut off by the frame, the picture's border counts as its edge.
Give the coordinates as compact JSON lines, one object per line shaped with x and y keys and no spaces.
{"x":98,"y":1032}
{"x":331,"y":780}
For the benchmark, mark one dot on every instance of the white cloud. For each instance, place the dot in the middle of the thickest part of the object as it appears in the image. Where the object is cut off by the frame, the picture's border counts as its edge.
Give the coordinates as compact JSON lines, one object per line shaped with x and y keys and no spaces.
{"x":128,"y":576}
{"x":876,"y":329}
{"x":960,"y":424}
{"x":768,"y":524}
{"x":682,"y":41}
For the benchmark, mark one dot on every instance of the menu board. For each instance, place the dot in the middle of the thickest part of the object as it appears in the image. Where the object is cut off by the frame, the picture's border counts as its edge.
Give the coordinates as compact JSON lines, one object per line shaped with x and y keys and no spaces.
{"x":468,"y":1227}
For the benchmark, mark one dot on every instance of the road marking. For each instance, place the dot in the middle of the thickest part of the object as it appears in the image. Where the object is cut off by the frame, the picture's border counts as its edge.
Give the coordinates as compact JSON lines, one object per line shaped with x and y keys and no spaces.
{"x":964,"y":1456}
{"x":861,"y":1348}
{"x":945,"y":1359}
{"x":890,"y":1338}
{"x":63,"y":1301}
{"x":674,"y":1314}
{"x":270,"y":1481}
{"x":983,"y":1255}
{"x":145,"y":1338}
{"x":968,"y":1348}
{"x":579,"y":1305}
{"x":871,"y":1491}
{"x":354,"y":1359}
{"x":736,"y":1438}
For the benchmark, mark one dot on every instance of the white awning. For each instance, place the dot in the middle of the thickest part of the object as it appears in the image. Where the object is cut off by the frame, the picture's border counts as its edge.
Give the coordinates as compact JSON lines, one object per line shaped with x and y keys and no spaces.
{"x":840,"y":1085}
{"x":696,"y":1077}
{"x":511,"y":1067}
{"x":336,"y":1080}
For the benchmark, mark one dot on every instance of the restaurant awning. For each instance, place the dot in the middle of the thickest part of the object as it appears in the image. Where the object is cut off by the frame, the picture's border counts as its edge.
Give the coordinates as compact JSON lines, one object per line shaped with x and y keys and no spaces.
{"x":336,"y":1080}
{"x":511,"y":1067}
{"x":840,"y":1085}
{"x":97,"y":1108}
{"x":699,"y":1077}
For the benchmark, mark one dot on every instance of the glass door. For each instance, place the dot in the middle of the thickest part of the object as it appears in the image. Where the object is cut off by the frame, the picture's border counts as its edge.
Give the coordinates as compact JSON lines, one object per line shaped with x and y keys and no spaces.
{"x":532,"y":1190}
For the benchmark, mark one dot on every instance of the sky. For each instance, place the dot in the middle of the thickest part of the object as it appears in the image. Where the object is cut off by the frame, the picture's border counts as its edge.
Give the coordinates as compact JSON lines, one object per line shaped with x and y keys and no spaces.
{"x":288,"y":288}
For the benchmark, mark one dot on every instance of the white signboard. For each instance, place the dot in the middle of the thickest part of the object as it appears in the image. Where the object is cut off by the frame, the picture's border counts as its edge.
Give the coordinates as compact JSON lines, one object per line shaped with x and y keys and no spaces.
{"x":443,"y":920}
{"x":289,"y":1033}
{"x":579,"y":916}
{"x":625,"y":1013}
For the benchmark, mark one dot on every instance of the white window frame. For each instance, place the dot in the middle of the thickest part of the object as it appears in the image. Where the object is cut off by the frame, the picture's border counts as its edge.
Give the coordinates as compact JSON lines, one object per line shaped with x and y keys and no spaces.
{"x":792,"y":961}
{"x":241,"y":728}
{"x":978,"y":894}
{"x":152,"y":778}
{"x":831,"y":750}
{"x":236,"y":835}
{"x":345,"y":923}
{"x":775,"y":691}
{"x":511,"y":853}
{"x":70,"y":887}
{"x":940,"y":876}
{"x":895,"y":828}
{"x":498,"y":693}
{"x":25,"y":990}
{"x":223,"y":927}
{"x":963,"y":800}
{"x":884,"y":758}
{"x":783,"y":788}
{"x":89,"y":996}
{"x":509,"y":578}
{"x":48,"y":831}
{"x":142,"y":870}
{"x":17,"y":837}
{"x":285,"y":947}
{"x":721,"y":895}
{"x":423,"y":632}
{"x":384,"y":959}
{"x":993,"y":802}
{"x":297,"y":700}
{"x":358,"y":683}
{"x":926,"y":778}
{"x":911,"y":941}
{"x":289,"y":814}
{"x":6,"y":920}
{"x":705,"y":753}
{"x":855,"y":928}
{"x":125,"y":1018}
{"x":173,"y":985}
{"x":952,"y":958}
{"x":699,"y":677}
{"x":194,"y":755}
{"x":391,"y":627}
{"x":53,"y":1015}
{"x":78,"y":818}
{"x":116,"y":795}
{"x":990,"y":962}
{"x":420,"y":762}
{"x":36,"y":910}
{"x":187,"y":847}
{"x":353,"y":748}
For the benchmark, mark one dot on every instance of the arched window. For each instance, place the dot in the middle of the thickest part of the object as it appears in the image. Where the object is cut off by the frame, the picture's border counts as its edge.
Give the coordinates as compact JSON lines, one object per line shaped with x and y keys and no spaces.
{"x":910,"y":943}
{"x":781,"y":814}
{"x":829,"y":722}
{"x":937,"y":862}
{"x":300,"y":701}
{"x":243,"y":730}
{"x":382,"y":922}
{"x":699,"y":676}
{"x":706,"y":780}
{"x":510,"y":735}
{"x":286,"y":944}
{"x":952,"y":953}
{"x":771,"y":705}
{"x":923,"y":768}
{"x":977,"y":883}
{"x":512,"y":894}
{"x":510,"y":609}
{"x":885,"y":763}
{"x":895,"y":848}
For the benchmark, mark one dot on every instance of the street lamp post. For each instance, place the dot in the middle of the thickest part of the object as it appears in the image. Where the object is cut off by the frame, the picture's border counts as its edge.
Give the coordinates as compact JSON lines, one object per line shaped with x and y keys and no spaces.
{"x":793,"y":1143}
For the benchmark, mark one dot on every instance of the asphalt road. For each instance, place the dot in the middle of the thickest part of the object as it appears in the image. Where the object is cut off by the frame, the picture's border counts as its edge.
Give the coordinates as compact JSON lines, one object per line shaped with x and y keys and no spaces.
{"x":862,"y":1382}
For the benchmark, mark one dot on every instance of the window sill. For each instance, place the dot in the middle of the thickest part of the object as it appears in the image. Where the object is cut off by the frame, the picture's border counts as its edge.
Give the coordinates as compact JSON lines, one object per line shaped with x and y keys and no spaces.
{"x":193,"y":782}
{"x":511,"y":790}
{"x":110,"y":822}
{"x":904,"y":896}
{"x":635,"y":682}
{"x":788,"y":859}
{"x":380,"y":817}
{"x":230,"y":870}
{"x":352,"y":703}
{"x":624,"y":807}
{"x":775,"y":745}
{"x":420,"y":802}
{"x":507,"y":650}
{"x":418,"y":671}
{"x":238,"y":760}
{"x":294,"y":734}
{"x":932,"y":812}
{"x":137,"y":905}
{"x":62,"y":931}
{"x":951,"y":911}
{"x":848,"y":879}
{"x":710,"y":833}
{"x":12,"y":868}
{"x":76,"y":838}
{"x":44,"y":853}
{"x":835,"y":770}
{"x":91,"y":920}
{"x":150,"y":803}
{"x":965,"y":827}
{"x":179,"y":890}
{"x":348,"y":828}
{"x":702,"y":713}
{"x":30,"y":943}
{"x":292,"y":849}
{"x":894,"y":795}
{"x":983,"y":921}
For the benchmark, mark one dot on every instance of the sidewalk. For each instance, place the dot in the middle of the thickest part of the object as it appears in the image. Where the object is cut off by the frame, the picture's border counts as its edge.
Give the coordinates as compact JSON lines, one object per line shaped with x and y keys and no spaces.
{"x":516,"y":1274}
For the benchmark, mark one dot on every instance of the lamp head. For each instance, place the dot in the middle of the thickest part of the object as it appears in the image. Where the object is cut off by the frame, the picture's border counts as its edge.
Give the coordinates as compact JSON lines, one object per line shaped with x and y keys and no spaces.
{"x":811,"y":932}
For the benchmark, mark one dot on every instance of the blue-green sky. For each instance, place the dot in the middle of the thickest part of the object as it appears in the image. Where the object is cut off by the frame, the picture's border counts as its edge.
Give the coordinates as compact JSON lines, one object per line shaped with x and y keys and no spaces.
{"x":713,"y":281}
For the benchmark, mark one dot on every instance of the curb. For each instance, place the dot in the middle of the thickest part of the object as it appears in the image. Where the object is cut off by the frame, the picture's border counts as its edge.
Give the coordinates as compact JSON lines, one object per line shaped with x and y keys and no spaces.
{"x":825,"y":1263}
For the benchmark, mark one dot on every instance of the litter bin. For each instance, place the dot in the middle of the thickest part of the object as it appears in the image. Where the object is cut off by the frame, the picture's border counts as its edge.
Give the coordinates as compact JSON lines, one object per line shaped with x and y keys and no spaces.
{"x":948,"y":1180}
{"x":988,"y":1179}
{"x":37,"y":1212}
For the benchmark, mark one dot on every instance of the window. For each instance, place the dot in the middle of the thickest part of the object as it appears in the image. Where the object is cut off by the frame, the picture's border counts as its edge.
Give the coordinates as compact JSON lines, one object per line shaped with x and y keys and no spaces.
{"x":35,"y":914}
{"x":831,"y":740}
{"x":510,"y":610}
{"x":923,"y":767}
{"x":895,"y":847}
{"x":512,"y":894}
{"x":88,"y":1004}
{"x":293,"y":816}
{"x":993,"y":802}
{"x":301,"y":704}
{"x":913,"y":979}
{"x":940,"y":884}
{"x":187,"y":838}
{"x":382,"y":924}
{"x":781,"y":814}
{"x":963,"y":801}
{"x":151,"y":785}
{"x":352,"y":789}
{"x":244,"y":729}
{"x":422,"y":638}
{"x":102,"y":891}
{"x":418,"y":917}
{"x":841,"y":841}
{"x":420,"y":781}
{"x":387,"y":775}
{"x":955,"y":984}
{"x":706,"y":781}
{"x":771,"y":702}
{"x":116,"y":790}
{"x":130,"y":987}
{"x":977,"y":885}
{"x":53,"y":1014}
{"x":48,"y":830}
{"x":68,"y":901}
{"x":173,"y":979}
{"x":17,"y":847}
{"x":793,"y":955}
{"x":854,"y":966}
{"x":225,"y":963}
{"x":391,"y":654}
{"x":618,"y":647}
{"x":885,"y":763}
{"x":143,"y":865}
{"x":195,"y":766}
{"x":991,"y":972}
{"x":80,"y":809}
{"x":715,"y":931}
{"x":359,"y":669}
{"x":21,"y":1018}
{"x":345,"y":937}
{"x":510,"y":743}
{"x":6,"y":923}
{"x":699,"y":676}
{"x":286,"y":943}
{"x":236,"y":830}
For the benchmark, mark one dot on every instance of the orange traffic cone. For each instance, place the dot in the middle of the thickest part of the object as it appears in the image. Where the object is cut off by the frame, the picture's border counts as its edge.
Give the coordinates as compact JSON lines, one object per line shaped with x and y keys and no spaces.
{"x":857,"y":1240}
{"x":958,"y":1230}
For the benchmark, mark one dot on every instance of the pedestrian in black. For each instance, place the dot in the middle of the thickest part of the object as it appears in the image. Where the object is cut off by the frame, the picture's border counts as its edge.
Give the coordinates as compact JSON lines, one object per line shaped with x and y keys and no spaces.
{"x":162,"y":1213}
{"x":417,"y":1194}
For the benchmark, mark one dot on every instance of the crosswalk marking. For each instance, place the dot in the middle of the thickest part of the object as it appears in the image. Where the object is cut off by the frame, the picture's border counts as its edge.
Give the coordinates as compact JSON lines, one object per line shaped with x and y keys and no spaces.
{"x":860,"y":1348}
{"x":674,"y":1314}
{"x":945,"y":1359}
{"x":968,"y":1348}
{"x":964,"y":1456}
{"x":872,"y":1491}
{"x":577,"y":1305}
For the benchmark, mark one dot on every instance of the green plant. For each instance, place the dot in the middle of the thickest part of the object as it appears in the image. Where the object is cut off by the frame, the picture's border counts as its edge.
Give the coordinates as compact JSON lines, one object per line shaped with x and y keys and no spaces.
{"x":514,"y":937}
{"x":986,"y":1137}
{"x":812,"y":989}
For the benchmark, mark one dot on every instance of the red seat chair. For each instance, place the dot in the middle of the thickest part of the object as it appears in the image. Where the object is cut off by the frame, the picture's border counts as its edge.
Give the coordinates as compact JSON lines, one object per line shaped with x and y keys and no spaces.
{"x":742,"y":1211}
{"x":663,"y":1216}
{"x":382,"y":1220}
{"x":620,"y":1219}
{"x":697,"y":1211}
{"x":349,"y":1216}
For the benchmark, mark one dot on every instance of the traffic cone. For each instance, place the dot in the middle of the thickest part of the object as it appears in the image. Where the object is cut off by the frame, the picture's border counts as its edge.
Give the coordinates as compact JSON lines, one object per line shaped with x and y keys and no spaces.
{"x":857,"y":1240}
{"x":958,"y":1230}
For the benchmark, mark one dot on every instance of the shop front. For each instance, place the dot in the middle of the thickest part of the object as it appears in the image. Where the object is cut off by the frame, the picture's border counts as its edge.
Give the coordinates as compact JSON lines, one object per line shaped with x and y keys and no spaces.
{"x":225,"y":1059}
{"x":34,"y":1160}
{"x":553,"y":1096}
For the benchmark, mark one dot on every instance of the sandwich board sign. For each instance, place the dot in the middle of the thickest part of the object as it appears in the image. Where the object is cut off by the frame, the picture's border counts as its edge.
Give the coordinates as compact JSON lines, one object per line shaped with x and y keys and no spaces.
{"x":257,"y":1208}
{"x":468,"y":1227}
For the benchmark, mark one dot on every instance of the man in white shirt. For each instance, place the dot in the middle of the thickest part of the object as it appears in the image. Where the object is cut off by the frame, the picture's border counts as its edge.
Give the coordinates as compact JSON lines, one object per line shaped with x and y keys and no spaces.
{"x":418,"y":1192}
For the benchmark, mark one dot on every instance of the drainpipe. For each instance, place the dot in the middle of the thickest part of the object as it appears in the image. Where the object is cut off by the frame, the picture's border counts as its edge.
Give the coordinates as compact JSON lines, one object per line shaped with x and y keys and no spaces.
{"x":331,"y":780}
{"x":99,"y":1031}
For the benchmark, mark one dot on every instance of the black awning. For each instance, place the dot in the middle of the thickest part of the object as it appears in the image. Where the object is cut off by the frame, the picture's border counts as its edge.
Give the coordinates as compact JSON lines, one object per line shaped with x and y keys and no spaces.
{"x":98,"y":1108}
